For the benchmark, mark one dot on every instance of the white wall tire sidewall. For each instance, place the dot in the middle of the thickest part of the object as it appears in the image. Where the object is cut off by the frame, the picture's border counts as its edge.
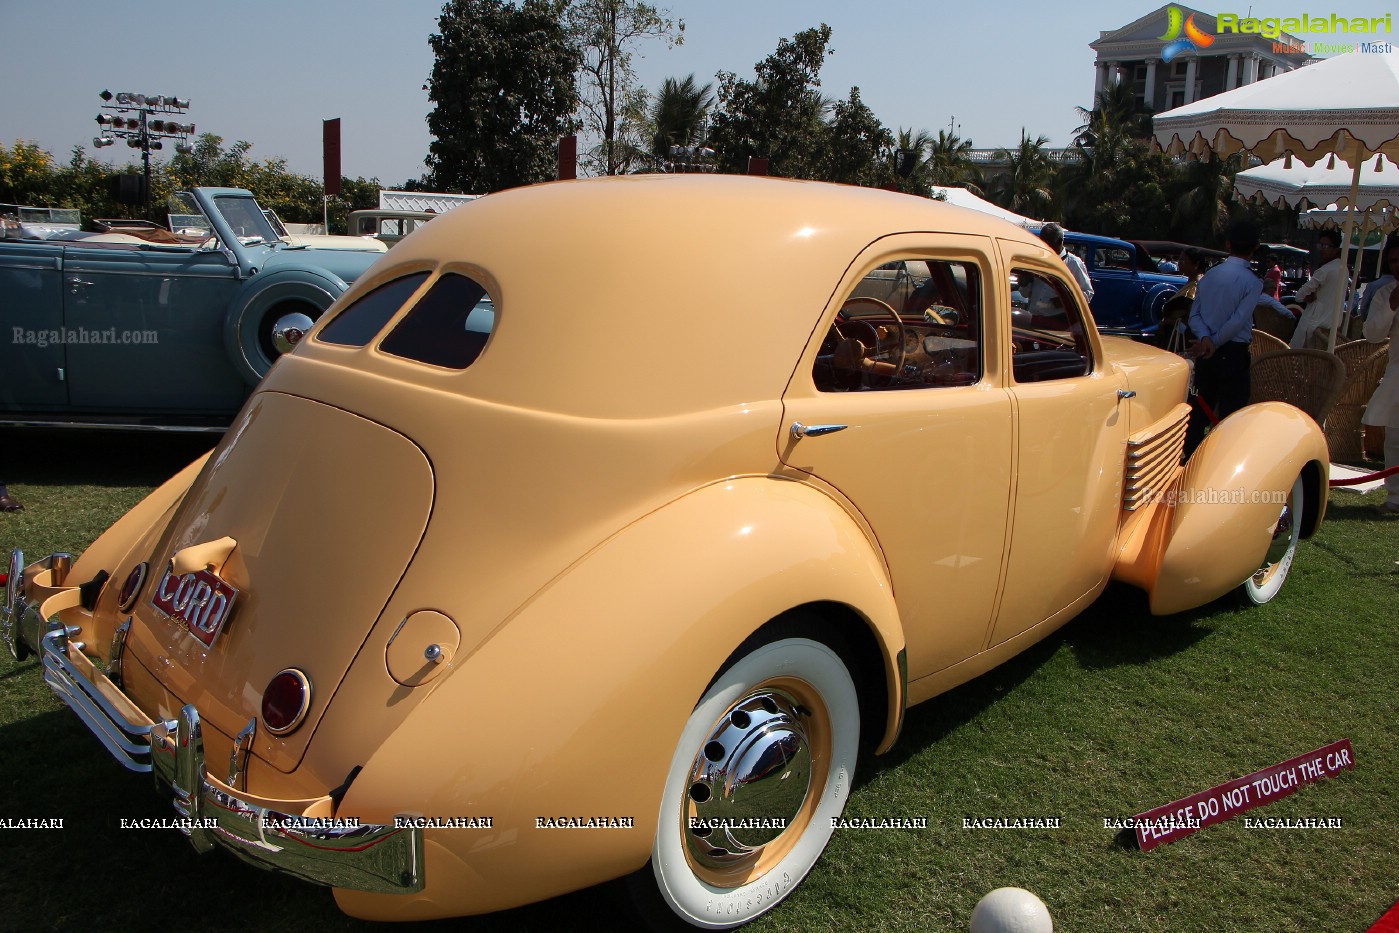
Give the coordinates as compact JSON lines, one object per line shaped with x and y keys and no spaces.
{"x":702,"y":904}
{"x":1258,"y":595}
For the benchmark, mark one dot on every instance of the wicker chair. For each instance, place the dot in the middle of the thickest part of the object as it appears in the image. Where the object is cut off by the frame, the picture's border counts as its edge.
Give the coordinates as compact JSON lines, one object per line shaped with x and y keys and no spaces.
{"x":1309,"y":379}
{"x":1264,"y":342}
{"x":1269,"y":321}
{"x":1365,"y":363}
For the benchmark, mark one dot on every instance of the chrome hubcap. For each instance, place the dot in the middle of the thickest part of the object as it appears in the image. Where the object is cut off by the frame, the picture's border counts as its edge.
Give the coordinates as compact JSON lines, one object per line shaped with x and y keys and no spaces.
{"x":289,"y":330}
{"x":749,"y":781}
{"x":1281,"y":543}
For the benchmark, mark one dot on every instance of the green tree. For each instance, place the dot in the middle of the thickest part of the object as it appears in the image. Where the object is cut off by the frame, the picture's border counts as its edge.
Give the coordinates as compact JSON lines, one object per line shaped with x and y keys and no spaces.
{"x":606,"y":33}
{"x":1025,"y":187}
{"x":1202,"y":199}
{"x":504,"y":90}
{"x":911,"y":162}
{"x":949,"y":160}
{"x":26,"y":174}
{"x":680,"y":115}
{"x":858,"y":145}
{"x":779,"y":114}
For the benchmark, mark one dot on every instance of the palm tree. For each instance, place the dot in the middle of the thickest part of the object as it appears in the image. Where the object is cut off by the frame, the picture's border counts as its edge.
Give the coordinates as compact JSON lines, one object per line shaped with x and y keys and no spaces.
{"x":1201,"y":211}
{"x":1025,"y":187}
{"x":913,"y":170}
{"x":949,"y":159}
{"x":1116,"y":107}
{"x":680,"y":115}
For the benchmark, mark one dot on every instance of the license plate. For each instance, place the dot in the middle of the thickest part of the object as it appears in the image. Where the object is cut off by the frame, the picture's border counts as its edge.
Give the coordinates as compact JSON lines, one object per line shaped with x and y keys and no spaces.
{"x":199,"y":600}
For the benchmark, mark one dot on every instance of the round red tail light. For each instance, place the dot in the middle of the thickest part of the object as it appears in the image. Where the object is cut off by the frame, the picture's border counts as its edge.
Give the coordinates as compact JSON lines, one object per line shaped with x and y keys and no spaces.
{"x":285,"y":701}
{"x":131,"y":588}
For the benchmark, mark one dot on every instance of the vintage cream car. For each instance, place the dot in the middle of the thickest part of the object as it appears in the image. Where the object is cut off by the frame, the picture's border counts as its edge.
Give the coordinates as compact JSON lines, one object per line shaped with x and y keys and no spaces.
{"x":657,"y":541}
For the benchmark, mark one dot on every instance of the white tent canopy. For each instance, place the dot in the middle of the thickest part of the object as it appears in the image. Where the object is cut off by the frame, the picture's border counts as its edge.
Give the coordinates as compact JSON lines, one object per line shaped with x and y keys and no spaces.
{"x":1326,"y":107}
{"x":1326,"y":182}
{"x":1340,"y":109}
{"x":961,"y":197}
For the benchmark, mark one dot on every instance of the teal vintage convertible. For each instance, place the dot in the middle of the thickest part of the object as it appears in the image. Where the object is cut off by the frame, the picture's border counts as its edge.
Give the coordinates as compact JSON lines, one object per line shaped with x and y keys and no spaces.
{"x":117,"y":330}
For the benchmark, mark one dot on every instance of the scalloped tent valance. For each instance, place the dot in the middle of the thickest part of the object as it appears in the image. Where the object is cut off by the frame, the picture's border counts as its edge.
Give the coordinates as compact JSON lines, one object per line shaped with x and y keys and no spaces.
{"x":1310,"y":113}
{"x":1327,"y":182}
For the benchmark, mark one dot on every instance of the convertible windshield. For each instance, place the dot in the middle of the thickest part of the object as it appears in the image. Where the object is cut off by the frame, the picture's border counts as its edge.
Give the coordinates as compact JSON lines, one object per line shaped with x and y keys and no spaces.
{"x":246,"y":218}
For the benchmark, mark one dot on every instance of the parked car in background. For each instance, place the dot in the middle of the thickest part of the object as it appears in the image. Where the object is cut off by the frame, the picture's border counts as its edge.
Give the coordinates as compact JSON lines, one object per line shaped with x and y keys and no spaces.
{"x":1128,"y":293}
{"x":318,"y":238}
{"x":626,"y":603}
{"x":120,"y":329}
{"x":390,"y":226}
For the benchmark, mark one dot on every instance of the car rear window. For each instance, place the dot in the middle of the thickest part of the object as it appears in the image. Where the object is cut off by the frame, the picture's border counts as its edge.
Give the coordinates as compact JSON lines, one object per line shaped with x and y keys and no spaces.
{"x":357,"y":324}
{"x":448,"y":327}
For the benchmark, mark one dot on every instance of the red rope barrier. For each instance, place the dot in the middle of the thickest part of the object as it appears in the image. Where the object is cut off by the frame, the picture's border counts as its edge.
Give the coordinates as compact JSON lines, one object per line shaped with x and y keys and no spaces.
{"x":1357,"y":480}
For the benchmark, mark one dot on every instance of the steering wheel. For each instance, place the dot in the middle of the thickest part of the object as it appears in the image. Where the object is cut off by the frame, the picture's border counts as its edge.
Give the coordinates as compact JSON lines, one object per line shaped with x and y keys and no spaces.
{"x":901,"y":337}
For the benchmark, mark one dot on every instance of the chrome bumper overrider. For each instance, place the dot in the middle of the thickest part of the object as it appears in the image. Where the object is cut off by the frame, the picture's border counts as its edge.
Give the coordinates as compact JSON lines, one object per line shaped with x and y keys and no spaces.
{"x":297,"y":837}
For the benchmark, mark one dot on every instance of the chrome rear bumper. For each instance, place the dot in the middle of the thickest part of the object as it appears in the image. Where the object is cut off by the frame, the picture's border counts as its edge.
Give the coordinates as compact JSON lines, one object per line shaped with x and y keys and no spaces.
{"x":296,"y":837}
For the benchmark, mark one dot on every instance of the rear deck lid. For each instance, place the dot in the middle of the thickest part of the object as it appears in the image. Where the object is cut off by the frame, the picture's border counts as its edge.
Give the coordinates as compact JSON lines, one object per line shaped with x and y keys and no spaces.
{"x":326,"y":509}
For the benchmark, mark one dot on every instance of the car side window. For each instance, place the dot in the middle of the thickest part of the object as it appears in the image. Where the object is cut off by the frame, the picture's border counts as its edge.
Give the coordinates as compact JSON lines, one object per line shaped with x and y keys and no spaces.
{"x":356,"y":325}
{"x":908,"y":324}
{"x":1049,"y":336}
{"x":447,"y":327}
{"x":1119,"y":259}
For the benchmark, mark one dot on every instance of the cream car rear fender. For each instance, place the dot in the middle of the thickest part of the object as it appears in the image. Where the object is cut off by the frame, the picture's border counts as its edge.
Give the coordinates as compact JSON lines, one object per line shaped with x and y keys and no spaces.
{"x":572,"y":707}
{"x":113,"y":552}
{"x":1210,"y":533}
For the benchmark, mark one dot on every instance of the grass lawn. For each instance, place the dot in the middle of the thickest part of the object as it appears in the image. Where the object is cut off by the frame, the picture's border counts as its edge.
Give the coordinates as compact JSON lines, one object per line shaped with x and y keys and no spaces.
{"x":1115,"y":714}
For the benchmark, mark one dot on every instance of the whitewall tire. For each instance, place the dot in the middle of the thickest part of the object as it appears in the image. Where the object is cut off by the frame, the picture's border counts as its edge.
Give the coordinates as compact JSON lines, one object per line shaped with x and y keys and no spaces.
{"x":763,"y":765}
{"x":1268,"y":579}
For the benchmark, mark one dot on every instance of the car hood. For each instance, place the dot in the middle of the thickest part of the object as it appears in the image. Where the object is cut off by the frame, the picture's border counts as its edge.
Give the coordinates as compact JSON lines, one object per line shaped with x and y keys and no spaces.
{"x":346,"y":264}
{"x":316,"y":553}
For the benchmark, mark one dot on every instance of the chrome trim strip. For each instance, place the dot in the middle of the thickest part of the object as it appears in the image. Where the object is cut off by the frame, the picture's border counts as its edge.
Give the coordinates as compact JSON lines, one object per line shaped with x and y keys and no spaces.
{"x":9,"y":610}
{"x":128,"y":742}
{"x":238,"y":756}
{"x":112,"y":426}
{"x":118,"y":650}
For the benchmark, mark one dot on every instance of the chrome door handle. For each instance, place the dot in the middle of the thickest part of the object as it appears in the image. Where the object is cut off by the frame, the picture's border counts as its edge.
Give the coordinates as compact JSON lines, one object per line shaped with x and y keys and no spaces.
{"x":800,"y":430}
{"x":1126,"y":393}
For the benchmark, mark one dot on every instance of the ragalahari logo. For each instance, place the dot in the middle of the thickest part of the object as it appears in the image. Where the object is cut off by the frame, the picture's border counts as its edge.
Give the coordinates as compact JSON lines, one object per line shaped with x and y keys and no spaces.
{"x":1183,"y":35}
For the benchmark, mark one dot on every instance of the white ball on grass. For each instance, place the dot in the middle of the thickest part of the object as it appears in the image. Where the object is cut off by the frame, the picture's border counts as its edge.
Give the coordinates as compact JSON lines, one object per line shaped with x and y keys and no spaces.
{"x":1011,"y":910}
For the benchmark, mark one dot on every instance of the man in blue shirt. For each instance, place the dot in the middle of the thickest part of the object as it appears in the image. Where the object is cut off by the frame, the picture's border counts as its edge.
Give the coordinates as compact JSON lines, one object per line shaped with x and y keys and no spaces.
{"x":1221,"y":322}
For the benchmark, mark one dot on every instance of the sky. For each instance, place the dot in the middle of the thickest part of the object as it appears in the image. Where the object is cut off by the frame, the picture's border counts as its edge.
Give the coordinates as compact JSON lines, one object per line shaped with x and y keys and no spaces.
{"x":270,"y":71}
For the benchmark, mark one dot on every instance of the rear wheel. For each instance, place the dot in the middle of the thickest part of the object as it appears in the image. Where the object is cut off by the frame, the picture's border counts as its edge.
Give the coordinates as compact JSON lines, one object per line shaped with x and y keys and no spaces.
{"x":1268,"y":579}
{"x":762,"y":765}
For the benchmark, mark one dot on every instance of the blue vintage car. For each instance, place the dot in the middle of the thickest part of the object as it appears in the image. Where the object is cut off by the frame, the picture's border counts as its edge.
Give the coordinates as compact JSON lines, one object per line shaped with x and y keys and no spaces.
{"x":115,"y":329}
{"x":1128,"y":293}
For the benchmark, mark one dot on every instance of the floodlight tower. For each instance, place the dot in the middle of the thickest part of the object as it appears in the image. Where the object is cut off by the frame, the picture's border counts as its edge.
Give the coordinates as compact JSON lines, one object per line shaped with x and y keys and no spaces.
{"x":140,"y":119}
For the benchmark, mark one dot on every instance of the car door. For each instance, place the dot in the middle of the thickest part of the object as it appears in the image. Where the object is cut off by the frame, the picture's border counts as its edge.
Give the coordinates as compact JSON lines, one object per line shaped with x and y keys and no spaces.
{"x":922,"y":449}
{"x":1117,"y":289}
{"x":1070,"y":428}
{"x":33,"y":367}
{"x":150,"y":325}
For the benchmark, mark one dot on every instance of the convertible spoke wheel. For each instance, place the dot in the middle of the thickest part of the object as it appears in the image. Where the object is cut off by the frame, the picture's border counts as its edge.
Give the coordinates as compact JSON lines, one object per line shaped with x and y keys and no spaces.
{"x":764,"y":763}
{"x":1267,"y":580}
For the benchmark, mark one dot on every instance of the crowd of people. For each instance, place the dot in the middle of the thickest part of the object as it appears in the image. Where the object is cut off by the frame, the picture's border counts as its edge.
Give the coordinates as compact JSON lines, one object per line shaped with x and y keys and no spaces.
{"x":1218,"y":330}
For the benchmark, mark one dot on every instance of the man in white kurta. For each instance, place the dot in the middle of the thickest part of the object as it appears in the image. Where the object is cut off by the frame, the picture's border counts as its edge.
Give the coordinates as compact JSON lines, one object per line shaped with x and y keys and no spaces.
{"x":1383,"y":408}
{"x":1322,"y":292}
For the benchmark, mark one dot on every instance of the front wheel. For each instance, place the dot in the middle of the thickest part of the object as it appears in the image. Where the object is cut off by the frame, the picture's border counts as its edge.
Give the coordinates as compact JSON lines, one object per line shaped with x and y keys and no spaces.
{"x":1267,"y":580}
{"x":762,"y":766}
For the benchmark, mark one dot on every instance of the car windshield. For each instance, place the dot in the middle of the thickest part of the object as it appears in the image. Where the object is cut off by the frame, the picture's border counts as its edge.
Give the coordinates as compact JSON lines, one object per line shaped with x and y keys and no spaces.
{"x":244,"y":215}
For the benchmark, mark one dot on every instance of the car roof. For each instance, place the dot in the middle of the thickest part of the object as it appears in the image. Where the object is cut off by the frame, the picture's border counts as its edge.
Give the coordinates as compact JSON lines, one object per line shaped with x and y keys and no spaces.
{"x":1097,"y":240}
{"x":660,"y":293}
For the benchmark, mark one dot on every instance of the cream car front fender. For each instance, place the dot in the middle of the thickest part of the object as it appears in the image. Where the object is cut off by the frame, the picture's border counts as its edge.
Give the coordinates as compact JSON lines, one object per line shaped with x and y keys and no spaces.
{"x":1211,"y":530}
{"x":574,"y":705}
